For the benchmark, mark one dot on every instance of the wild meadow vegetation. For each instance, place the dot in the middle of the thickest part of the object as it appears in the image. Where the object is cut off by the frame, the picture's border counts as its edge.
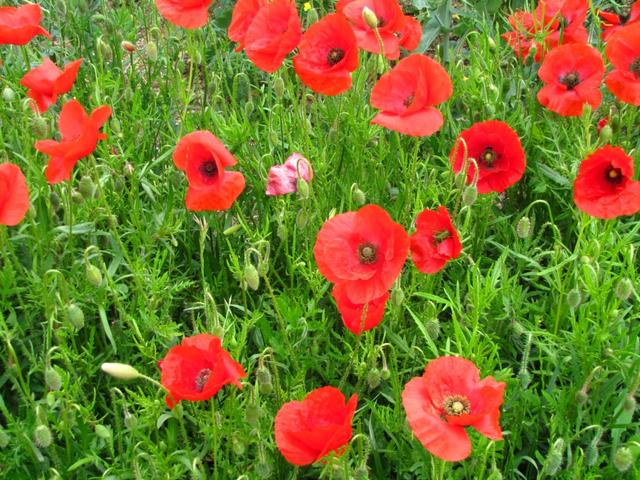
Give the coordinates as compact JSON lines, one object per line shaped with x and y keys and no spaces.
{"x":109,"y":265}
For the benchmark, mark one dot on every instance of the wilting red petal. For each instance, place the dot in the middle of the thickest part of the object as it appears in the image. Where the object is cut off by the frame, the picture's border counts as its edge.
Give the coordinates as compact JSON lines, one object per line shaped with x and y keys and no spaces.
{"x":14,"y":195}
{"x":435,"y":241}
{"x":189,"y":14}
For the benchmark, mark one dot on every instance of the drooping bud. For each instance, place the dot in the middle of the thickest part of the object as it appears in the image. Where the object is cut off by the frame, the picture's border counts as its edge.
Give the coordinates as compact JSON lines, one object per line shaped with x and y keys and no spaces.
{"x":104,"y":49}
{"x":8,"y":95}
{"x":553,"y":462}
{"x":624,"y":289}
{"x":77,"y":198}
{"x":250,"y":276}
{"x":86,"y":187}
{"x":128,"y":46}
{"x":606,"y":133}
{"x":629,"y":404}
{"x":581,"y":396}
{"x":433,"y":328}
{"x":302,"y":188}
{"x":278,"y":87}
{"x":385,"y":373}
{"x":151,"y":51}
{"x":121,"y":371}
{"x":592,"y":454}
{"x":523,"y":227}
{"x":623,"y":459}
{"x":359,"y":197}
{"x":574,"y":298}
{"x":42,"y":436}
{"x":374,"y":378}
{"x":52,"y":379}
{"x":469,"y":195}
{"x":74,"y":316}
{"x":130,"y":420}
{"x":369,"y":18}
{"x":263,"y":377}
{"x":39,"y":127}
{"x":252,"y":414}
{"x":103,"y":432}
{"x":93,"y":275}
{"x":4,"y":439}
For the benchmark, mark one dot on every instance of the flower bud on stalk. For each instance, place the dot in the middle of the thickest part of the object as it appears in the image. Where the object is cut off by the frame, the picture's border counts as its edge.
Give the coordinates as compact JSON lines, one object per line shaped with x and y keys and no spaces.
{"x":251,"y":277}
{"x":8,"y":95}
{"x":574,"y":298}
{"x":278,"y":87}
{"x":128,"y":46}
{"x":42,"y":436}
{"x":52,"y":379}
{"x":523,"y":227}
{"x":606,"y":133}
{"x":469,"y":195}
{"x":623,"y":459}
{"x":75,"y":316}
{"x":120,"y":371}
{"x":553,"y":462}
{"x":93,"y":275}
{"x":151,"y":51}
{"x":624,"y":289}
{"x":4,"y":439}
{"x":370,"y":18}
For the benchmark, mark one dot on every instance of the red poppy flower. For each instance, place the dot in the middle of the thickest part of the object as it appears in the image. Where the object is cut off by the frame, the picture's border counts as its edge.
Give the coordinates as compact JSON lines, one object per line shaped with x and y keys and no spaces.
{"x":328,"y":53}
{"x":497,"y":150}
{"x":612,"y":22}
{"x":204,"y":158}
{"x":565,"y":21}
{"x":396,"y":30}
{"x":14,"y":195}
{"x":18,"y":25}
{"x":80,"y":134}
{"x":435,"y":241}
{"x":603,"y":122}
{"x":521,"y":39}
{"x":407,"y":95}
{"x":623,"y":51}
{"x":572,"y":75}
{"x":448,"y":397}
{"x":197,"y":369}
{"x":309,"y":430}
{"x":272,"y":34}
{"x":243,"y":14}
{"x":363,"y":250}
{"x":185,"y":13}
{"x":47,"y":81}
{"x":359,"y":317}
{"x":604,"y":187}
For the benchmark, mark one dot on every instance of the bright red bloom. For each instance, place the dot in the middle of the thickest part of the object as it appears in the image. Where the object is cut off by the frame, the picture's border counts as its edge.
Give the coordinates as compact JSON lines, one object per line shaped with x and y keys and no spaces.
{"x":364,"y":250}
{"x":80,"y":134}
{"x":572,"y":75}
{"x":272,"y":34}
{"x":18,"y":25}
{"x":47,"y":81}
{"x":497,"y":150}
{"x":604,"y":187}
{"x":448,"y":397}
{"x":612,"y":22}
{"x":197,"y":369}
{"x":190,"y":14}
{"x":359,"y":317}
{"x":328,"y":53}
{"x":435,"y":241}
{"x":521,"y":39}
{"x":396,"y":30}
{"x":309,"y":430}
{"x":243,"y":14}
{"x":408,"y":93}
{"x":14,"y":195}
{"x":603,"y":122}
{"x":204,"y":158}
{"x":623,"y":51}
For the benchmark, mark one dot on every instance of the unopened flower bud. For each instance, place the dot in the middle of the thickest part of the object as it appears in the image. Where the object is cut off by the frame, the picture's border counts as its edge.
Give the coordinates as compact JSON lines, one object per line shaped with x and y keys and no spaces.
{"x":103,"y":432}
{"x":249,"y":107}
{"x":629,"y":404}
{"x":130,"y":420}
{"x":581,"y":396}
{"x":39,"y":127}
{"x":624,"y":289}
{"x":523,"y":227}
{"x":238,"y":446}
{"x":151,"y":50}
{"x":302,"y":188}
{"x":42,"y":436}
{"x":553,"y":462}
{"x":4,"y":439}
{"x":128,"y":46}
{"x":374,"y":378}
{"x":93,"y":275}
{"x":385,"y":373}
{"x":252,"y":414}
{"x":8,"y":95}
{"x":77,"y":198}
{"x":74,"y":316}
{"x":278,"y":87}
{"x":302,"y":218}
{"x":623,"y":459}
{"x":433,"y":328}
{"x":52,"y":379}
{"x":263,"y":469}
{"x":251,"y":277}
{"x":263,"y":375}
{"x":606,"y":133}
{"x":574,"y":298}
{"x":491,"y":42}
{"x":312,"y":16}
{"x":54,"y":199}
{"x":120,"y":371}
{"x":86,"y":187}
{"x":469,"y":195}
{"x":397,"y":296}
{"x":369,"y":18}
{"x":361,"y":473}
{"x":359,"y":197}
{"x":104,"y":49}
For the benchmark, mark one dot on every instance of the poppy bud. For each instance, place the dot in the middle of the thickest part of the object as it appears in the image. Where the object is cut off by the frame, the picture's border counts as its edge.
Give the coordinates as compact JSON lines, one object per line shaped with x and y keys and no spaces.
{"x":241,"y":86}
{"x":75,"y":316}
{"x":128,"y":46}
{"x":525,"y":378}
{"x":278,"y":87}
{"x":121,"y":371}
{"x":281,"y":232}
{"x":54,"y":199}
{"x":581,"y":396}
{"x":397,"y":296}
{"x":553,"y":462}
{"x":217,"y":331}
{"x":252,"y":414}
{"x":370,"y":18}
{"x":130,"y":421}
{"x":624,"y":289}
{"x":523,"y":227}
{"x":606,"y":133}
{"x":39,"y":127}
{"x":8,"y":95}
{"x":93,"y":275}
{"x":77,"y":198}
{"x":250,"y":276}
{"x":104,"y":50}
{"x":385,"y":373}
{"x":118,"y":184}
{"x":103,"y":432}
{"x":629,"y":404}
{"x":86,"y":187}
{"x":623,"y":459}
{"x":361,"y":473}
{"x":492,"y":43}
{"x":239,"y":448}
{"x":374,"y":378}
{"x":489,"y":108}
{"x":302,"y":218}
{"x":52,"y":379}
{"x":359,"y":197}
{"x":263,"y":469}
{"x":115,"y":126}
{"x":312,"y":16}
{"x":592,"y":453}
{"x":151,"y":50}
{"x":433,"y":328}
{"x":4,"y":439}
{"x":469,"y":195}
{"x":232,"y":229}
{"x":495,"y":474}
{"x":263,"y":376}
{"x":42,"y":436}
{"x":574,"y":298}
{"x":302,"y":188}
{"x":249,"y":107}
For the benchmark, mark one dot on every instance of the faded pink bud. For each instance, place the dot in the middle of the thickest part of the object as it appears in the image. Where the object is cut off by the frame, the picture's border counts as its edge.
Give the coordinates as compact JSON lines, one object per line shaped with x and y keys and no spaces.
{"x":283,"y":178}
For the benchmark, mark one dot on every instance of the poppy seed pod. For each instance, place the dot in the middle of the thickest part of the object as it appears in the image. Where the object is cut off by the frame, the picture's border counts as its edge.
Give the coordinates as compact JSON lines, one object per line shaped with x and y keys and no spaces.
{"x":93,"y":275}
{"x":623,"y":459}
{"x":74,"y":316}
{"x":121,"y":371}
{"x":370,"y":18}
{"x":42,"y":436}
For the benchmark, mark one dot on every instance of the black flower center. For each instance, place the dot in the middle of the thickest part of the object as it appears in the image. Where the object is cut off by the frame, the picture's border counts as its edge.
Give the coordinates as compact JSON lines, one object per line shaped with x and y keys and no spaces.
{"x":367,"y":253}
{"x":488,"y":156}
{"x":624,"y":16}
{"x":409,"y":100}
{"x":334,"y":56}
{"x":456,"y":405}
{"x":570,"y":80}
{"x":563,"y":21}
{"x":635,"y":68}
{"x":209,"y":169}
{"x":613,"y":175}
{"x":381,"y":22}
{"x":202,"y":379}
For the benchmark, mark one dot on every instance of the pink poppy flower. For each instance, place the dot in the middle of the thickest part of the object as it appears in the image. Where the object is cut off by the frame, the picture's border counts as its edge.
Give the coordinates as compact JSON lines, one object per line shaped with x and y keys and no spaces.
{"x":283,"y":178}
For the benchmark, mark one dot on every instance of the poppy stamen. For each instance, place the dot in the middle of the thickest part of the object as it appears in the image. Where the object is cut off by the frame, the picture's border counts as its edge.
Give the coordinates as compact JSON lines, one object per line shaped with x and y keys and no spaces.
{"x":367,"y":253}
{"x":456,"y":405}
{"x":335,"y":55}
{"x":202,"y":379}
{"x":570,"y":80}
{"x":635,"y":67}
{"x":209,"y":169}
{"x":488,"y":156}
{"x":613,"y":175}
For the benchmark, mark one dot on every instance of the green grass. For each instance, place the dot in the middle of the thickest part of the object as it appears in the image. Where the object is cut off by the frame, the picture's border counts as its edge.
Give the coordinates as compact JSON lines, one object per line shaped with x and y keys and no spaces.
{"x":169,"y":273}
